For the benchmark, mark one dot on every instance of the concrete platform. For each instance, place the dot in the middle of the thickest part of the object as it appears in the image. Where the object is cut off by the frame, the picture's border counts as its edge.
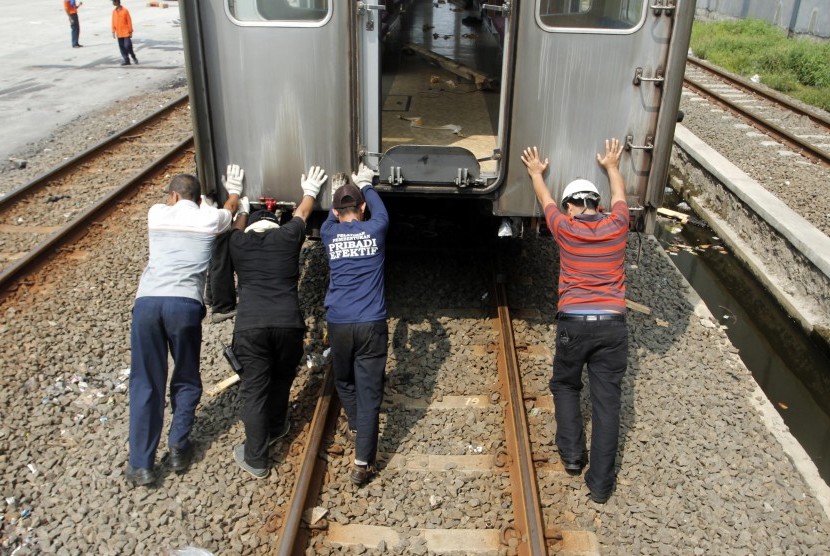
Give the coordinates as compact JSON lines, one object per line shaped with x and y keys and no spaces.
{"x":755,"y":223}
{"x":47,"y":83}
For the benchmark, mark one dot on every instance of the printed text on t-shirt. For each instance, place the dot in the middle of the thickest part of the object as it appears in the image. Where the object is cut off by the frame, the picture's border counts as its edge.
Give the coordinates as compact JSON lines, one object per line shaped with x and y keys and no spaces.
{"x":352,"y":245}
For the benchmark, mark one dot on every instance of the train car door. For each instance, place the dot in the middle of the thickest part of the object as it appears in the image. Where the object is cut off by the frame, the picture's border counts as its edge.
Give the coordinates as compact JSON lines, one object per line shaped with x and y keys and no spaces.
{"x":269,"y":85}
{"x":586,"y":70}
{"x":430,"y":87}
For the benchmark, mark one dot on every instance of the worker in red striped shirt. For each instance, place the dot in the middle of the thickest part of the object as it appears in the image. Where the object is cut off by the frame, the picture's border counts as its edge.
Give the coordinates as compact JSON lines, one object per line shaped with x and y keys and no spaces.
{"x":591,"y":328}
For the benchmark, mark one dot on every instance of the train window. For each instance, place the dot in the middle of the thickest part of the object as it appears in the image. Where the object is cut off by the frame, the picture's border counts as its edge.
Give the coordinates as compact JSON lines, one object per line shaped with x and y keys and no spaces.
{"x":279,"y":10}
{"x":591,"y":15}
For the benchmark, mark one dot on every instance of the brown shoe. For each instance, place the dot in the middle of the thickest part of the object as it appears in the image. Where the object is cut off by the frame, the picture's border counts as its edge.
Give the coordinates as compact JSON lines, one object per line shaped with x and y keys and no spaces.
{"x":361,"y":474}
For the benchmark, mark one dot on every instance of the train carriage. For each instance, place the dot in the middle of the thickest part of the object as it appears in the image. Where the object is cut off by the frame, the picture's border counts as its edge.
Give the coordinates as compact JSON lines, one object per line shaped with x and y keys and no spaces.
{"x":439,"y":97}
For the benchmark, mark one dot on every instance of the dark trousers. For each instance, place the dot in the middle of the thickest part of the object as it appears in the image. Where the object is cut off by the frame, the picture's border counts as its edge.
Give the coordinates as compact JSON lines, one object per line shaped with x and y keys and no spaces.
{"x":359,"y":365}
{"x":160,"y":323}
{"x":603,"y":346}
{"x":75,"y":25}
{"x":221,"y":287}
{"x":125,"y":45}
{"x":269,"y":359}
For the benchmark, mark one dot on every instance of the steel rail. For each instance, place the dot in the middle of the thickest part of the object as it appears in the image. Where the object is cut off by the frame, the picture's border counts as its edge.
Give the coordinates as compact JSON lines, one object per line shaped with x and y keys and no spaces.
{"x":751,"y":87}
{"x":806,"y":149}
{"x":312,"y":469}
{"x":64,"y":168}
{"x":526,"y":503}
{"x":47,"y":247}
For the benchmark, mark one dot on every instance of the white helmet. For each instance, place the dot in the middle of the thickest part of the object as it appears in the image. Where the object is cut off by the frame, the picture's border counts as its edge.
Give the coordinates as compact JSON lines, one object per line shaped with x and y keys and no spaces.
{"x":580,"y":189}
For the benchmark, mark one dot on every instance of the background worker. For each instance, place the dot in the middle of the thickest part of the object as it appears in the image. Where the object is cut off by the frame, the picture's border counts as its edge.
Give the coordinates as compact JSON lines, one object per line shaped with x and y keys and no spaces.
{"x":356,"y":310}
{"x":591,"y":326}
{"x":269,"y":326}
{"x":167,"y":315}
{"x":122,"y":29}
{"x":71,"y":9}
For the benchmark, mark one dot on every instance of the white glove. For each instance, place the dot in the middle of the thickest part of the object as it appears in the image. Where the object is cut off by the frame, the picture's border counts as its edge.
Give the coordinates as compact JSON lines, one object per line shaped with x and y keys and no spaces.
{"x":208,"y":201}
{"x":233,"y":182}
{"x":363,"y":177}
{"x":244,"y":206}
{"x":316,"y":178}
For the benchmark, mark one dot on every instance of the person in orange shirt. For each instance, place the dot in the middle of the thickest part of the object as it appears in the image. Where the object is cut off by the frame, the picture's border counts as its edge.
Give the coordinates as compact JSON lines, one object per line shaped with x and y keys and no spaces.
{"x":71,"y":9}
{"x":122,"y":29}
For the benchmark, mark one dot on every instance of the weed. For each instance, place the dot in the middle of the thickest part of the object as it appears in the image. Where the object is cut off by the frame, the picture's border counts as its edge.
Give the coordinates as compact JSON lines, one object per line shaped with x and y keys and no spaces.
{"x":747,"y":47}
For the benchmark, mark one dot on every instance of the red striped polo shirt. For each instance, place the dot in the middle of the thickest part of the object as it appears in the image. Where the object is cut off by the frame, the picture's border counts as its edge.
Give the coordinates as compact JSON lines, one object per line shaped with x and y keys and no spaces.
{"x":591,"y":258}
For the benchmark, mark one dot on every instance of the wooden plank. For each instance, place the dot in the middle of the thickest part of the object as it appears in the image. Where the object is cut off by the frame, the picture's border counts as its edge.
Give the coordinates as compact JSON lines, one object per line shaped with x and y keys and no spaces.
{"x":633,"y":305}
{"x":673,"y":214}
{"x":224,"y":385}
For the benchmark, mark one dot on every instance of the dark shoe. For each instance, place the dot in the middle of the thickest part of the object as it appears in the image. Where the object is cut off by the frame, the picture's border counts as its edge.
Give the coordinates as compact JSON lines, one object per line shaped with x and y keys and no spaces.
{"x":573,"y":467}
{"x":239,"y":458}
{"x":127,"y":63}
{"x":276,"y":436}
{"x":135,"y":61}
{"x":139,"y":476}
{"x":180,"y":458}
{"x":599,"y":499}
{"x":219,"y":317}
{"x":78,"y":46}
{"x":360,"y":474}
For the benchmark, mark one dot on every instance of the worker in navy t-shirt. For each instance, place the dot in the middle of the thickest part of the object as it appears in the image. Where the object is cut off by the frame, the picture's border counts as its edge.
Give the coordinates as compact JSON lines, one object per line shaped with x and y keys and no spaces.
{"x":356,"y":309}
{"x":591,"y":329}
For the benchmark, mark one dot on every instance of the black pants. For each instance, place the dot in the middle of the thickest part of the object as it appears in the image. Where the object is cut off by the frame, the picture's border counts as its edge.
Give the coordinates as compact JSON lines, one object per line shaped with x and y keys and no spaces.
{"x":603,"y":346}
{"x":75,"y":26}
{"x":269,"y":358}
{"x":359,"y":364}
{"x":221,"y":294}
{"x":125,"y":45}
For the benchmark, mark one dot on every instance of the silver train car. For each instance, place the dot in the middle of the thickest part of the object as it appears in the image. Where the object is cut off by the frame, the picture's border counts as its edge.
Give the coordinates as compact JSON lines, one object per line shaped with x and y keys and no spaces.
{"x":438,"y":96}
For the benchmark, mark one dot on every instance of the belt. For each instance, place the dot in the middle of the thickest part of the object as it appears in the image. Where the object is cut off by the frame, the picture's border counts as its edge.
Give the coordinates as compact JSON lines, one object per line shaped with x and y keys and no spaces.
{"x":591,"y":318}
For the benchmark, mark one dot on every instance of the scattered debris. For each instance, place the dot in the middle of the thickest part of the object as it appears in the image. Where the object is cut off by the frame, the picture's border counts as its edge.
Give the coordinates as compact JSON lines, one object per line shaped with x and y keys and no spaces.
{"x":418,"y":122}
{"x":315,"y":514}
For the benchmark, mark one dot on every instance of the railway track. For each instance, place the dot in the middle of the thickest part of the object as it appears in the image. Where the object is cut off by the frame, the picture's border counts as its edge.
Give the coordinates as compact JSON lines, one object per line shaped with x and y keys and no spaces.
{"x":803,"y":130}
{"x":40,"y":216}
{"x":457,"y":458}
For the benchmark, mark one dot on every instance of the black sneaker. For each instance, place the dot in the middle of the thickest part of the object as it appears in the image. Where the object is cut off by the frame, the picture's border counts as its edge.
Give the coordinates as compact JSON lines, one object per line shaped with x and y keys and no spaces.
{"x":360,"y":474}
{"x":127,"y":63}
{"x":135,"y":61}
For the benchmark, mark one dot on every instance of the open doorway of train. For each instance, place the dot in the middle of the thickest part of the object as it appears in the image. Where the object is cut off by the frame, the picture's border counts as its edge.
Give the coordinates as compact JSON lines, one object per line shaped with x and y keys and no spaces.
{"x":441,"y":70}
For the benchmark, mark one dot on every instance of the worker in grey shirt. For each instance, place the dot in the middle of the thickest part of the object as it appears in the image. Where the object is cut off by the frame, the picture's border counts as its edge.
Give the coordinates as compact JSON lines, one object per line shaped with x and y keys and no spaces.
{"x":167,"y":315}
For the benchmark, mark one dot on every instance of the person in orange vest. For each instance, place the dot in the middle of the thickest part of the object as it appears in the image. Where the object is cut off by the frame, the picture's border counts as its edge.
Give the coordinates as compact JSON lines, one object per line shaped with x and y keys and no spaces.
{"x":122,"y":29}
{"x":71,"y":9}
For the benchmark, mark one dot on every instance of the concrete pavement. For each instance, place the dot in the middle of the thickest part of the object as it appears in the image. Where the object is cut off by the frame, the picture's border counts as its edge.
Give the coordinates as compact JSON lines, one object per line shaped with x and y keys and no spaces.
{"x":46,"y":83}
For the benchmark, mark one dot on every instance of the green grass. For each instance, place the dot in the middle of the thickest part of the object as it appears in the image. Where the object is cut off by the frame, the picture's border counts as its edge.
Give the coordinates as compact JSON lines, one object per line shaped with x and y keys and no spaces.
{"x":797,"y":67}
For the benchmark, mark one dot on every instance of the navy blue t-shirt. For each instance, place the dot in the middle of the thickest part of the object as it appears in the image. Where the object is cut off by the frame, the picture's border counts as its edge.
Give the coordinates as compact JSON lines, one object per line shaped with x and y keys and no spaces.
{"x":357,"y":253}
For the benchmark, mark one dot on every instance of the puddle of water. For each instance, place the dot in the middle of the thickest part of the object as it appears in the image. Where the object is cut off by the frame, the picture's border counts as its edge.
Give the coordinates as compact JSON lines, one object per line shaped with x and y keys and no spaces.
{"x":792,"y":371}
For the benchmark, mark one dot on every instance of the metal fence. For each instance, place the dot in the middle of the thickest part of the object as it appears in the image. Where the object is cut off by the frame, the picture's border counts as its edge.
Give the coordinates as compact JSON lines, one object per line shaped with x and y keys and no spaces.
{"x":797,"y":17}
